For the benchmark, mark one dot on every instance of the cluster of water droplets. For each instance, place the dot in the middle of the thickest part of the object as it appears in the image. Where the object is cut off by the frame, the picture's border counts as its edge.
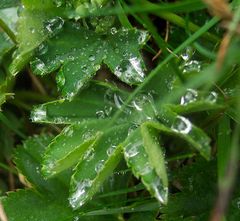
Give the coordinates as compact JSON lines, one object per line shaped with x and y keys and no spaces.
{"x":137,"y":158}
{"x":131,"y":70}
{"x":89,"y":154}
{"x":189,"y":64}
{"x":192,"y":96}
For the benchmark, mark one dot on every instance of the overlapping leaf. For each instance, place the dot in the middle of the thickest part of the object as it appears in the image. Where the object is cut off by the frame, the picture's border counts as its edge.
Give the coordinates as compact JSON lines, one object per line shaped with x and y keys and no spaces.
{"x":147,"y":162}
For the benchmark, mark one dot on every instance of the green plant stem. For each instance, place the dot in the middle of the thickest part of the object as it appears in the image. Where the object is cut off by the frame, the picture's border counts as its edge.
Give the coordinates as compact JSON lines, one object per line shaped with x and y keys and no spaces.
{"x":8,"y":31}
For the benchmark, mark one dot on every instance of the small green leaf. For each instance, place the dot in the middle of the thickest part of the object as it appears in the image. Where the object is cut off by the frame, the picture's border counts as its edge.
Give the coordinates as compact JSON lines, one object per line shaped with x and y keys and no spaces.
{"x":80,"y":60}
{"x":90,"y":173}
{"x":26,"y":205}
{"x":28,"y":161}
{"x":138,"y":160}
{"x":70,"y":145}
{"x":155,"y":154}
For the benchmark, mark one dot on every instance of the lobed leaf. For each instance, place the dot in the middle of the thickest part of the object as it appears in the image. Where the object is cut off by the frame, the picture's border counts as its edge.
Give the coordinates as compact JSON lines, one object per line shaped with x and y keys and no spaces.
{"x":90,"y":173}
{"x":79,"y":61}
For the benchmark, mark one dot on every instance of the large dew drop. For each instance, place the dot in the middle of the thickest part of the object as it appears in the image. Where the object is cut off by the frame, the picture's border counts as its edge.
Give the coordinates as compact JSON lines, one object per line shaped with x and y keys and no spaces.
{"x":77,"y":199}
{"x":130,"y":71}
{"x":132,"y":149}
{"x":190,"y":96}
{"x":181,"y":125}
{"x":39,"y":114}
{"x":54,"y":25}
{"x":38,"y":66}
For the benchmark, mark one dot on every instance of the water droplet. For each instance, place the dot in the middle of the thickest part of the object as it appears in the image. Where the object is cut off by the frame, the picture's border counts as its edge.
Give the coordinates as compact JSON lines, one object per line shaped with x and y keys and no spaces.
{"x":130,"y":71}
{"x":68,"y":131}
{"x":113,"y":30}
{"x":78,"y":197}
{"x":58,"y":3}
{"x":99,"y":166}
{"x":100,"y":114}
{"x":192,"y":66}
{"x":212,"y":97}
{"x":60,"y":78}
{"x":132,"y":150}
{"x":87,"y":135}
{"x":118,"y":101}
{"x":108,"y":110}
{"x":145,"y":169}
{"x":54,"y":25}
{"x":32,"y":30}
{"x":142,"y":37}
{"x":160,"y":192}
{"x":89,"y":154}
{"x":111,"y":150}
{"x":190,"y":96}
{"x":187,"y":54}
{"x":42,"y":49}
{"x":38,"y":66}
{"x":39,"y":114}
{"x":181,"y":125}
{"x":92,"y":58}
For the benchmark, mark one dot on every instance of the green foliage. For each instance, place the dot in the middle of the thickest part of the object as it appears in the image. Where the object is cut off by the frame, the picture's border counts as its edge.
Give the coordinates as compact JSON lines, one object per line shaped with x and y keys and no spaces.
{"x":123,"y":136}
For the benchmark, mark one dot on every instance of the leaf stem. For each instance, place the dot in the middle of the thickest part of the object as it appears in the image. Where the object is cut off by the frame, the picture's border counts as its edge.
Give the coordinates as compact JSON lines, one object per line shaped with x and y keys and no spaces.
{"x":8,"y":31}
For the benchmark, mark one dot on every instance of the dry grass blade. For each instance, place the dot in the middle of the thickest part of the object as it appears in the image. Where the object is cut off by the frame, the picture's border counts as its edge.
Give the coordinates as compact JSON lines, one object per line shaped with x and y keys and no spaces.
{"x":220,"y":8}
{"x":3,"y":216}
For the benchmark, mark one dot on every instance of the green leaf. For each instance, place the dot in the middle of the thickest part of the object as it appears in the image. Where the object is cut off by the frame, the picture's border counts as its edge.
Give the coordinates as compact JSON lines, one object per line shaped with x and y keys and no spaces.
{"x":90,"y":173}
{"x":138,"y":160}
{"x":95,"y":101}
{"x":69,"y":147}
{"x":28,"y":161}
{"x":79,"y":61}
{"x":28,"y":205}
